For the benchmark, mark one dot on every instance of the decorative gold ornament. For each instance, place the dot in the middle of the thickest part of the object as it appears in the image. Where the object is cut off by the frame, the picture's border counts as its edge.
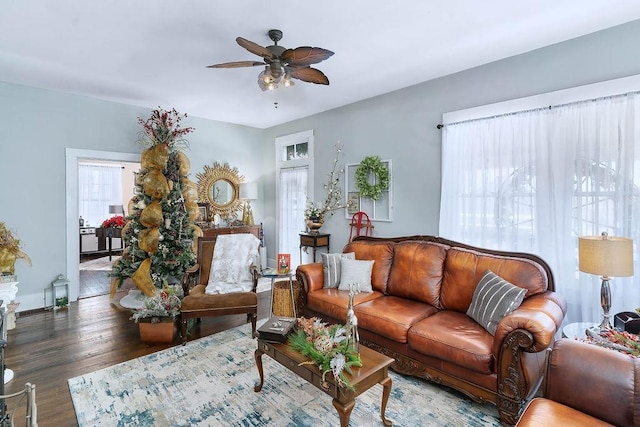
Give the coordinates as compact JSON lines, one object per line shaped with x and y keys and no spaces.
{"x":220,"y":186}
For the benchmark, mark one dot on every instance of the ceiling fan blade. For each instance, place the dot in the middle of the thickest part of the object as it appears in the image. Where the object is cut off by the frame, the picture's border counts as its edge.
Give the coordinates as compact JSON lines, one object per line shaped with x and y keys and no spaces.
{"x":305,"y":55}
{"x":255,"y":48}
{"x":236,"y":64}
{"x":308,"y":74}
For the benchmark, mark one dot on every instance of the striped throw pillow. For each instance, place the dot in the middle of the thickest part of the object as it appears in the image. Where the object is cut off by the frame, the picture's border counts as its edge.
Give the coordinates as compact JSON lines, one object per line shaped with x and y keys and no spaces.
{"x":493,"y":299}
{"x":331,"y":267}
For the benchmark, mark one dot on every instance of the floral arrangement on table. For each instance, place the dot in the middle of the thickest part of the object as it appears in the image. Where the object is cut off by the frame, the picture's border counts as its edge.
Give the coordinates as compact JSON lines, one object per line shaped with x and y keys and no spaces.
{"x":328,"y":347}
{"x":317,"y":211}
{"x":165,"y":303}
{"x":614,"y":339}
{"x":114,"y":222}
{"x":10,"y":251}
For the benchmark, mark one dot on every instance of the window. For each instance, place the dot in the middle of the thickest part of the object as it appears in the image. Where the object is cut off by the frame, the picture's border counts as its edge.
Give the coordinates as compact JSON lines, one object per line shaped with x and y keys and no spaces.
{"x":536,"y":180}
{"x":294,"y":168}
{"x":295,"y":151}
{"x":100,"y":185}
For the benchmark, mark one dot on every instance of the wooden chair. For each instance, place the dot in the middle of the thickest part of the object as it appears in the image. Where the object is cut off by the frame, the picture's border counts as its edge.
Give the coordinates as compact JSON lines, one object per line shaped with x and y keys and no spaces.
{"x":360,"y":221}
{"x":197,"y":304}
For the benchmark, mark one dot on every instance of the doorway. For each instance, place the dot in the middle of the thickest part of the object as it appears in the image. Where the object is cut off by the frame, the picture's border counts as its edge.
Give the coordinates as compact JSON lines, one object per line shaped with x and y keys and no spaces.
{"x":105,"y":187}
{"x":73,"y":159}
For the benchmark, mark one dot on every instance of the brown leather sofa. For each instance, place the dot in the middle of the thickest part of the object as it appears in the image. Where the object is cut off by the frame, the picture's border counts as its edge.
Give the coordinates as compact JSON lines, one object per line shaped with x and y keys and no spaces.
{"x":586,"y":385}
{"x":422,"y":288}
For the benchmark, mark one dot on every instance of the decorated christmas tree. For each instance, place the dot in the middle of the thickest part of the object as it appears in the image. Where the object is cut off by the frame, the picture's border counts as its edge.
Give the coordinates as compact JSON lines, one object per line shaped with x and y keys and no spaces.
{"x":160,"y":232}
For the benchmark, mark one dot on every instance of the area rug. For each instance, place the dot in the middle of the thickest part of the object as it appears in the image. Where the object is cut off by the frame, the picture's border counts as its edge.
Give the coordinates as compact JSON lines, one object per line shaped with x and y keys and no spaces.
{"x":100,"y":264}
{"x":209,"y":382}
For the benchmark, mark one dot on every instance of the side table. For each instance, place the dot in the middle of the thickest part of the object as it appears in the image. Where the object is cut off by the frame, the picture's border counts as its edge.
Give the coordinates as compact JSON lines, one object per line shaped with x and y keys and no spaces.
{"x":577,"y":330}
{"x":273,"y":276}
{"x":315,"y":241}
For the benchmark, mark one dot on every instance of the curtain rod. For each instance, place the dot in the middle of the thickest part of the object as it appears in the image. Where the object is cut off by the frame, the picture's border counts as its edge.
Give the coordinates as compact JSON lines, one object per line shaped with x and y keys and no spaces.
{"x":513,"y":113}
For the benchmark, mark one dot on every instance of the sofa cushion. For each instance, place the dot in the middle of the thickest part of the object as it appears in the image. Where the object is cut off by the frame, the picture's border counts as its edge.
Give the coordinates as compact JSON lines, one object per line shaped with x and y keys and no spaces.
{"x":465,"y":267}
{"x":331,"y":267}
{"x":493,"y":299}
{"x":356,"y":272}
{"x":334,"y":302}
{"x":455,"y":337}
{"x":381,"y":253}
{"x":416,"y":272}
{"x":545,"y":412}
{"x":391,"y":316}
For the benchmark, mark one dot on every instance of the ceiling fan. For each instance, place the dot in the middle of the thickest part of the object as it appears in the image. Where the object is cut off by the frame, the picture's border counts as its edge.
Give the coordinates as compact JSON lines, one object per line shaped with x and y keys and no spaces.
{"x":282,"y":64}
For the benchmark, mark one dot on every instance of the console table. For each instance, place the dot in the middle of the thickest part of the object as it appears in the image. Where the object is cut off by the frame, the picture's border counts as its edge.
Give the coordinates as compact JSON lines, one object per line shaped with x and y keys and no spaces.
{"x":315,"y":241}
{"x":243,"y":229}
{"x":109,"y":234}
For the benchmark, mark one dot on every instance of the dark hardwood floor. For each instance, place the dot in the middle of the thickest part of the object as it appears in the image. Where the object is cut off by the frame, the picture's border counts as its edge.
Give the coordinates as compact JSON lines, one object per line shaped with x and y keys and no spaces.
{"x":47,"y":348}
{"x":94,"y":283}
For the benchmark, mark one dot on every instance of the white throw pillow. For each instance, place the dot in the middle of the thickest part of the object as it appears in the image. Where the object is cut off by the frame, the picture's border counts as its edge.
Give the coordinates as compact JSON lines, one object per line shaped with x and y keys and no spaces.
{"x":357,"y":272}
{"x":493,"y":299}
{"x":331,"y":266}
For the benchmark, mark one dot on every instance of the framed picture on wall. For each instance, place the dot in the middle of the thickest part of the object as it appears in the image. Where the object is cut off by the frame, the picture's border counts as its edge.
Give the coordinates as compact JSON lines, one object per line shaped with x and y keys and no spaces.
{"x":284,"y":263}
{"x":203,"y":212}
{"x":353,"y":203}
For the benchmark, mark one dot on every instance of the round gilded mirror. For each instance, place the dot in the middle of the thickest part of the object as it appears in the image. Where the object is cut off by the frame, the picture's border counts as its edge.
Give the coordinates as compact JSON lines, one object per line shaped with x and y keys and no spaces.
{"x":219,"y":186}
{"x":222,"y":192}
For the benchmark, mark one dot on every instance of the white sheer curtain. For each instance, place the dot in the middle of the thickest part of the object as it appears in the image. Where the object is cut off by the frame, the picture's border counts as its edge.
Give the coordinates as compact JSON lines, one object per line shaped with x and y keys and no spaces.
{"x":100,"y":185}
{"x":535,"y":181}
{"x":293,"y":197}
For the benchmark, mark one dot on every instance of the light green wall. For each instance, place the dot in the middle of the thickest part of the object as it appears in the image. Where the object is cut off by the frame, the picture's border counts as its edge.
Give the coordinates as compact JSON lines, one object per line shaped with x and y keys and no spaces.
{"x":402,"y":125}
{"x":36,"y":126}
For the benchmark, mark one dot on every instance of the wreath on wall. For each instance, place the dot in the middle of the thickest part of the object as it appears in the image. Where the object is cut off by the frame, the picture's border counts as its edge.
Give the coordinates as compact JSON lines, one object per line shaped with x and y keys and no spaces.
{"x":372,"y":165}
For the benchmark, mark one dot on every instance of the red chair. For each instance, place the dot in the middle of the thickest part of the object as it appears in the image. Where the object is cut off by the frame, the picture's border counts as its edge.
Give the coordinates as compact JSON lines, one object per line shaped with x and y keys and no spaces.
{"x":360,"y":221}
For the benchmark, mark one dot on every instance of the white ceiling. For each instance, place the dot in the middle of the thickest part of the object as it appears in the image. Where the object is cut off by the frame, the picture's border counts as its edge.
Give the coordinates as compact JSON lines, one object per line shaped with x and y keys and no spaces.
{"x":154,"y":52}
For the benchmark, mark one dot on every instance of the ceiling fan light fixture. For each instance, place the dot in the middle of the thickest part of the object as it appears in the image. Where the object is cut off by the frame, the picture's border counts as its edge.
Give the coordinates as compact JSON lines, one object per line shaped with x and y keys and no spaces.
{"x":281,"y":64}
{"x":266,"y":75}
{"x":286,"y":81}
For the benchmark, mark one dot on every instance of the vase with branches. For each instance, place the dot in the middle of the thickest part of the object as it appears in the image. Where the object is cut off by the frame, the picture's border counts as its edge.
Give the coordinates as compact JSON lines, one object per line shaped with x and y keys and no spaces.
{"x":316,"y":212}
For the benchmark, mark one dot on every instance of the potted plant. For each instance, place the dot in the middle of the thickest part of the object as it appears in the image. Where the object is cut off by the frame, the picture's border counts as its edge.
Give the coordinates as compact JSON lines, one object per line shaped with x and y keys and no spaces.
{"x":157,"y":317}
{"x":9,"y":251}
{"x":113,"y":226}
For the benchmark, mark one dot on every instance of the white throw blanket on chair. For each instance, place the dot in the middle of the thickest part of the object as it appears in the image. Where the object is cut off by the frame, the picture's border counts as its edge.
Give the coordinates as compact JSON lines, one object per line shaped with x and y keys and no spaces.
{"x":233,"y":257}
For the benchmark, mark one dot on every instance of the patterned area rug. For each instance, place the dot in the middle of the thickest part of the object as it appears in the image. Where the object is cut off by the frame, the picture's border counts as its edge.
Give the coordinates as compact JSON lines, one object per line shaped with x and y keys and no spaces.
{"x":101,"y":264}
{"x":209,"y":382}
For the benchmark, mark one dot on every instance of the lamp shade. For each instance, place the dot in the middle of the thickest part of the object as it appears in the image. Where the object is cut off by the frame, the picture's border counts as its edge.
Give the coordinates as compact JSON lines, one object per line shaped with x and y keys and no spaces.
{"x":116,"y":209}
{"x":249,"y":191}
{"x":606,"y":256}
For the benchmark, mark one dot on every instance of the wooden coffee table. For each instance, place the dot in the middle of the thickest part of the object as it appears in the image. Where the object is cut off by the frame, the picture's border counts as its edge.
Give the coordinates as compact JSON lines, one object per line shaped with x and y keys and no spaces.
{"x":374,"y":370}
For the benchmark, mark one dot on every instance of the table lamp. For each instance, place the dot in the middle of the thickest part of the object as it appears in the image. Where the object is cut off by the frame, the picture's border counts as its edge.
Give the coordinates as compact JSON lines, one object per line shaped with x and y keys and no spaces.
{"x":605,"y":256}
{"x":248,"y":192}
{"x":116,"y":209}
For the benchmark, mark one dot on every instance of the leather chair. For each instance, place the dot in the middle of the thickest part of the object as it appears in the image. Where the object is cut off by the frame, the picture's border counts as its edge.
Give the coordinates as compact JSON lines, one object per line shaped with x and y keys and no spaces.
{"x":586,"y":385}
{"x":197,"y":304}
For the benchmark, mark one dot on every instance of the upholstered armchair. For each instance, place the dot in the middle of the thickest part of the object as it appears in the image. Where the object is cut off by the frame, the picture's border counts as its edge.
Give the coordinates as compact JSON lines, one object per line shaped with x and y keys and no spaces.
{"x":223,"y":281}
{"x":586,"y":385}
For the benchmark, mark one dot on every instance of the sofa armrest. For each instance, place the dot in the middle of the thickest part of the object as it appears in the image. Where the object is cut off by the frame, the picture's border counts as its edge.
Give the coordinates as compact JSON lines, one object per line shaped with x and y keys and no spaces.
{"x":541,"y":315}
{"x":597,"y":381}
{"x":311,"y":276}
{"x":519,"y":347}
